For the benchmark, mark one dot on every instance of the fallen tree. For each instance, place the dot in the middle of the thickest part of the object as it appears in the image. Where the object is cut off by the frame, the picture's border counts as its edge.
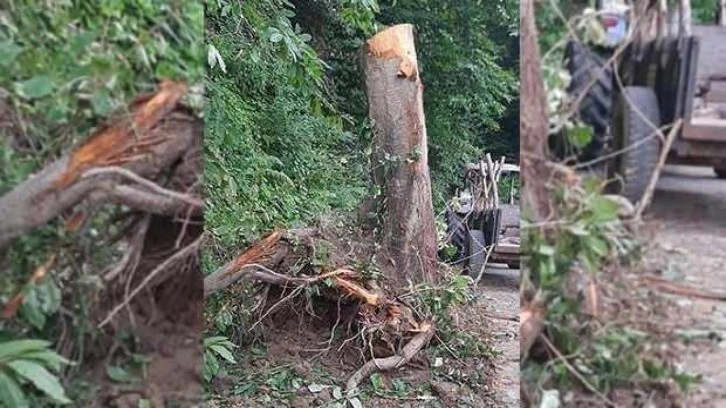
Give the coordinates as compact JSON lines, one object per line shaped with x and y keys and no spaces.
{"x":115,"y":165}
{"x":143,"y":168}
{"x":383,"y":320}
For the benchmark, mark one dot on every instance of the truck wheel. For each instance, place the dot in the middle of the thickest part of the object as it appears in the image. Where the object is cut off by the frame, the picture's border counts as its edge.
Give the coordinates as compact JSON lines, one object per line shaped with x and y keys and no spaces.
{"x":456,"y":231}
{"x":636,"y":113}
{"x":586,"y":66}
{"x":477,"y":253}
{"x":720,"y":172}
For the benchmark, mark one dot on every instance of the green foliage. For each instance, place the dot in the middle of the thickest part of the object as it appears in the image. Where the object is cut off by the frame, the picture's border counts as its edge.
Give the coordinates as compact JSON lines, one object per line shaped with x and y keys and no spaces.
{"x":70,"y":63}
{"x":215,"y":348}
{"x":273,"y":142}
{"x":26,"y":373}
{"x":40,"y":301}
{"x":702,"y":11}
{"x":588,"y":237}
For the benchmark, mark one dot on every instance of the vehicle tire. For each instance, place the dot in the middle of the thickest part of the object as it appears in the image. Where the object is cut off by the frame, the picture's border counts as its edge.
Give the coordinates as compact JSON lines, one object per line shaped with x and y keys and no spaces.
{"x":585,"y":66}
{"x":720,"y":172}
{"x":456,"y":230}
{"x":477,"y":254}
{"x":635,"y":113}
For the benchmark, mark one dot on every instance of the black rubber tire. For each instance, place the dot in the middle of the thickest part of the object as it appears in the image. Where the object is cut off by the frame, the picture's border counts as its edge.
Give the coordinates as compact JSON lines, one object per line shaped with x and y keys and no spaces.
{"x":720,"y":172}
{"x":456,"y":230}
{"x":584,"y":64}
{"x":477,"y":254}
{"x":635,"y":166}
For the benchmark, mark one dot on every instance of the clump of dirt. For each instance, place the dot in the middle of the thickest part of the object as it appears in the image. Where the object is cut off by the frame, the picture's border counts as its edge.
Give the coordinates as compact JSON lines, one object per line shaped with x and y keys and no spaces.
{"x":162,"y":326}
{"x":172,"y":376}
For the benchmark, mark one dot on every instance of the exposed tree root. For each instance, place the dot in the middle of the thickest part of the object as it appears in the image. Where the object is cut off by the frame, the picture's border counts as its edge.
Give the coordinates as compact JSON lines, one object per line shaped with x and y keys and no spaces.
{"x":383,"y":321}
{"x":147,"y":159}
{"x":383,"y":364}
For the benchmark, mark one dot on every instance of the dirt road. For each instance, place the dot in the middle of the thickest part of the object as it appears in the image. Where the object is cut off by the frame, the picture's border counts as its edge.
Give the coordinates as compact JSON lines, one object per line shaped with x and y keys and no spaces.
{"x":689,"y":219}
{"x":501,"y":289}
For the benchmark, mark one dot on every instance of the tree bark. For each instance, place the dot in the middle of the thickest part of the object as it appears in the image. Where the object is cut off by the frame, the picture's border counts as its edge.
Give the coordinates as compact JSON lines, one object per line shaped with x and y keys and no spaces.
{"x":533,"y":122}
{"x":400,"y":163}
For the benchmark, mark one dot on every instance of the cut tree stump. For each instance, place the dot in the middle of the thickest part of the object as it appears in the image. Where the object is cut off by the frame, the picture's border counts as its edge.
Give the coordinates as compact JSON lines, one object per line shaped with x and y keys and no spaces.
{"x":400,"y":155}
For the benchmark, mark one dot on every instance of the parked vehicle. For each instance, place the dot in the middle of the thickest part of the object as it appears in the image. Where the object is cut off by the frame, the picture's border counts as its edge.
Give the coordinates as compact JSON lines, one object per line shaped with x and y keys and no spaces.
{"x":479,"y":231}
{"x":661,"y":84}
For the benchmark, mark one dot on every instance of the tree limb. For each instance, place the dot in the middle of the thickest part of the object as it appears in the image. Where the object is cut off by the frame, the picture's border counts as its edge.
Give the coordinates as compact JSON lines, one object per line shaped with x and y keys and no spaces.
{"x":146,"y":145}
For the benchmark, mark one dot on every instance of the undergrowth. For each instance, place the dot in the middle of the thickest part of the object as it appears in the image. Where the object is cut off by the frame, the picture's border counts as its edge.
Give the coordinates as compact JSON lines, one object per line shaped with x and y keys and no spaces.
{"x":582,"y":247}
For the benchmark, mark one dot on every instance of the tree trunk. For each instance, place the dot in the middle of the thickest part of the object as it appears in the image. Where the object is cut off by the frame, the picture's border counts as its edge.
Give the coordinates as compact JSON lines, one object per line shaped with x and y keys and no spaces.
{"x":722,"y":13}
{"x":400,"y":163}
{"x":533,"y":120}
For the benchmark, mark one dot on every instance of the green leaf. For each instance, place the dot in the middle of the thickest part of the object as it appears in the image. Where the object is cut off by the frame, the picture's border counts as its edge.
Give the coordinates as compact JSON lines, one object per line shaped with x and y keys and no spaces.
{"x":8,"y":52}
{"x":223,"y":352}
{"x":50,"y":358}
{"x":546,"y":250}
{"x":580,"y":136}
{"x":17,"y":348}
{"x":211,"y":366}
{"x":275,"y":37}
{"x":49,"y":295}
{"x":101,"y":102}
{"x":11,"y":395}
{"x":31,"y":310}
{"x":604,"y":209}
{"x":144,"y":403}
{"x":214,"y":339}
{"x":36,"y":87}
{"x":377,"y":381}
{"x":41,"y":379}
{"x":119,"y":374}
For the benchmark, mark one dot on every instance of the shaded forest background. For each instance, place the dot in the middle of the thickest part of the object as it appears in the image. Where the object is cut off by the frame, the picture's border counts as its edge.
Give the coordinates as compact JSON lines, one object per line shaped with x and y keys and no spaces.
{"x":287,"y":134}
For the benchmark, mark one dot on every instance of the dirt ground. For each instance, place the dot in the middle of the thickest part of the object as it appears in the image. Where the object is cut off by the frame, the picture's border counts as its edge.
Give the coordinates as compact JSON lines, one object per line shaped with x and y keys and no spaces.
{"x":689,"y":245}
{"x":290,"y":366}
{"x":501,"y":299}
{"x":172,"y":375}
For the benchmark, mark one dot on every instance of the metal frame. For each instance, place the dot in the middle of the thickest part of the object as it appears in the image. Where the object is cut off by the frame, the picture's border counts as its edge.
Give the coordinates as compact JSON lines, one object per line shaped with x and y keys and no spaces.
{"x":668,"y":65}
